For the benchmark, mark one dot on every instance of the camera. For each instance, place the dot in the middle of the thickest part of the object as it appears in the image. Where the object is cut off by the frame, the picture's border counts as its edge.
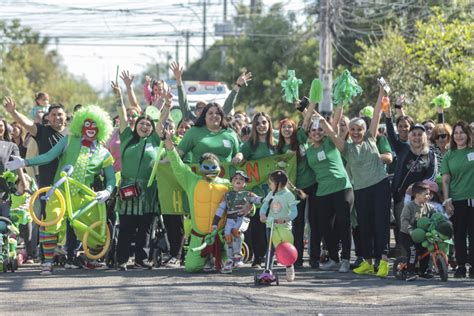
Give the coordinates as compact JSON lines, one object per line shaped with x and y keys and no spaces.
{"x":384,"y":84}
{"x":302,"y":104}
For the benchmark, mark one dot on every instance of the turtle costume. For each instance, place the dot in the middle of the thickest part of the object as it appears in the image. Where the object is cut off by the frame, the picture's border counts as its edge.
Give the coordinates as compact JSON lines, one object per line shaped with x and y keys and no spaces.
{"x":204,"y":193}
{"x":84,"y":150}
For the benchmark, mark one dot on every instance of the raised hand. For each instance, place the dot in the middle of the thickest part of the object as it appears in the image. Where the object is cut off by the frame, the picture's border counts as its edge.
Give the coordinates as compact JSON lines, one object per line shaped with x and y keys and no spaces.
{"x":244,"y":78}
{"x":115,"y":88}
{"x":127,"y":78}
{"x":177,"y":70}
{"x":147,"y":79}
{"x":9,"y":104}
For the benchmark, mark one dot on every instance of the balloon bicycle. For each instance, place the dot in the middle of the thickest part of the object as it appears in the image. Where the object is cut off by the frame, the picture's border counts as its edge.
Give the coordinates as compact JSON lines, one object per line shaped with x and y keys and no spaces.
{"x":89,"y":220}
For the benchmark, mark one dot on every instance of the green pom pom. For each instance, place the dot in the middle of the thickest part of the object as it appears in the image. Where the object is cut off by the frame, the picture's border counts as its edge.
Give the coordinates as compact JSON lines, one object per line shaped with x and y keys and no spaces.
{"x":423,"y":223}
{"x":316,"y":91}
{"x":368,"y":111}
{"x":345,"y":88}
{"x":418,"y":235}
{"x":443,"y":100}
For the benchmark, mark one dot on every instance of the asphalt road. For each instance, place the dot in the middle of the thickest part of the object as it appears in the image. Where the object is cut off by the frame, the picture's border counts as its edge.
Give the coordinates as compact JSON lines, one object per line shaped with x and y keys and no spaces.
{"x":173,"y":291}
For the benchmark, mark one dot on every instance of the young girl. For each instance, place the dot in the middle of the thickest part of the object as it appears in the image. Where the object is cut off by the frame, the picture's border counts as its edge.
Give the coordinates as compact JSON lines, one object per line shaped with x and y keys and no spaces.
{"x":279,"y":206}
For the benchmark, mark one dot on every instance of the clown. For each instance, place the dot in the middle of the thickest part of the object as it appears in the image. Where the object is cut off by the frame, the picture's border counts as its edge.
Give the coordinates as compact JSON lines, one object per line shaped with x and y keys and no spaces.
{"x":204,"y":192}
{"x":83,"y":149}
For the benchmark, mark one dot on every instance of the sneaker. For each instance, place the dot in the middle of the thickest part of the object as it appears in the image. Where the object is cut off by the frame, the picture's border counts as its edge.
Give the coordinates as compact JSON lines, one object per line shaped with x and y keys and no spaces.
{"x":345,"y":266}
{"x":238,"y":262}
{"x":122,"y":267}
{"x":142,"y":265}
{"x":383,"y":269}
{"x":29,"y":260}
{"x":357,"y":263}
{"x":460,"y":272}
{"x":411,"y":276}
{"x":94,"y":265}
{"x":227,"y":266}
{"x":290,"y":273}
{"x":72,"y":264}
{"x":209,"y":266}
{"x":329,"y":265}
{"x":46,"y":268}
{"x":364,"y":268}
{"x":173,"y":263}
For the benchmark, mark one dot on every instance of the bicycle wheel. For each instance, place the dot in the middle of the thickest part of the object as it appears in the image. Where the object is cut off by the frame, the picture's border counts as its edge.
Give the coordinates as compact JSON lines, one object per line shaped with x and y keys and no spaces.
{"x":399,"y":268}
{"x":442,"y":267}
{"x":105,"y":247}
{"x":245,"y":252}
{"x":62,"y":207}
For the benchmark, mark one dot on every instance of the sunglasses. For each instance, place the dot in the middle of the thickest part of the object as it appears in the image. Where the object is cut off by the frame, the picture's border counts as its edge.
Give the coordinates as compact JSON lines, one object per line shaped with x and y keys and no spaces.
{"x":441,"y":136}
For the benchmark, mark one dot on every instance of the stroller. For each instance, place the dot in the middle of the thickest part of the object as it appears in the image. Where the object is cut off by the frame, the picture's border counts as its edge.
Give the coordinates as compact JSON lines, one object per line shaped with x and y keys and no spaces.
{"x":159,"y":246}
{"x":8,"y":231}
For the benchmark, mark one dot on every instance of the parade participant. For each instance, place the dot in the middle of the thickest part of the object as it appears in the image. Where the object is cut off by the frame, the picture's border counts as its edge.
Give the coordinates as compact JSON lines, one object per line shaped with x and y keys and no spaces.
{"x":230,"y":205}
{"x":371,"y":188}
{"x":46,"y":136}
{"x":440,"y":137}
{"x":200,"y":105}
{"x":261,"y":144}
{"x":334,"y":196}
{"x":83,"y":149}
{"x":293,"y":139}
{"x":210,"y":134}
{"x":457,"y":170}
{"x":136,"y":211}
{"x":279,"y":206}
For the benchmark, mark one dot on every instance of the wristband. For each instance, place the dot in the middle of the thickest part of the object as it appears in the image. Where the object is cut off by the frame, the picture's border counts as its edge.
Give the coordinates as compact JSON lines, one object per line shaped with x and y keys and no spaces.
{"x":238,"y":85}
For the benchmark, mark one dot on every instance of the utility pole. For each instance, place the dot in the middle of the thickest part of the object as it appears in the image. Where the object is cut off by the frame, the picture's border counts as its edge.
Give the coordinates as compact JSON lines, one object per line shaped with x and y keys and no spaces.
{"x":325,"y":56}
{"x":177,"y":52}
{"x":187,"y":49}
{"x":225,"y":11}
{"x":204,"y":28}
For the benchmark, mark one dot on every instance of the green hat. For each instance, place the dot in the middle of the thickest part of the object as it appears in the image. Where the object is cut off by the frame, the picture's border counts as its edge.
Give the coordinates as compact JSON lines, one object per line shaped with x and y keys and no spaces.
{"x":240,"y":173}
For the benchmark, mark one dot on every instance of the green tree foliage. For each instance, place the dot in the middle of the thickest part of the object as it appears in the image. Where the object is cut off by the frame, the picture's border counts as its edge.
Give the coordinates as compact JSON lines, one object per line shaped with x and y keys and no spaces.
{"x":437,"y":58}
{"x":28,"y":66}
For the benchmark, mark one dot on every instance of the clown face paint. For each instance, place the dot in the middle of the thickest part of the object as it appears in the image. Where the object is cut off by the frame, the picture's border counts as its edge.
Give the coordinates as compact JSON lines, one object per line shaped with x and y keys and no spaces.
{"x":90,"y":130}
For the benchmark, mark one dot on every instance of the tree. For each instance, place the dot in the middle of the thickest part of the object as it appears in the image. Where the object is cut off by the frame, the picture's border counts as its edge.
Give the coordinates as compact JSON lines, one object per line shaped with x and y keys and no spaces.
{"x":437,"y":58}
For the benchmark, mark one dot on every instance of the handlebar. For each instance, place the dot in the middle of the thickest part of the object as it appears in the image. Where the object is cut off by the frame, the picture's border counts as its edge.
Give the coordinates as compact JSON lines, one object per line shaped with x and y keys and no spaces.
{"x":65,"y":172}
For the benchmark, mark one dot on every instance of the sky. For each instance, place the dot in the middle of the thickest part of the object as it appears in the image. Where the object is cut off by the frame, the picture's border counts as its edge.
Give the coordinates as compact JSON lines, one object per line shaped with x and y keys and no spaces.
{"x":96,"y":36}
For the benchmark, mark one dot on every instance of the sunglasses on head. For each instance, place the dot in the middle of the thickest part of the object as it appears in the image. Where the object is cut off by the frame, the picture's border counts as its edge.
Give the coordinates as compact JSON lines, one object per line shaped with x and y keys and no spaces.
{"x":441,"y":136}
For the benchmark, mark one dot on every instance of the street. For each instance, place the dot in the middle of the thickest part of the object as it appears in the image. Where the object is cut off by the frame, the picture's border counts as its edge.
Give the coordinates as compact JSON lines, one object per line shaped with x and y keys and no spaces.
{"x":173,"y":291}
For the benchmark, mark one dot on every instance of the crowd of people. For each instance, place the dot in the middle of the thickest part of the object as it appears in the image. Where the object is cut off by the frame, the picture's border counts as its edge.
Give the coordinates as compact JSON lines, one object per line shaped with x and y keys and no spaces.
{"x":354,"y":179}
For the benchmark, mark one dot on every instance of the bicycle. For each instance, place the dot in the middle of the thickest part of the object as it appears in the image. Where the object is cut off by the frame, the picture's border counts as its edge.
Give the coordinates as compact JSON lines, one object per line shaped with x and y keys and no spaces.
{"x":438,"y":257}
{"x":91,"y":225}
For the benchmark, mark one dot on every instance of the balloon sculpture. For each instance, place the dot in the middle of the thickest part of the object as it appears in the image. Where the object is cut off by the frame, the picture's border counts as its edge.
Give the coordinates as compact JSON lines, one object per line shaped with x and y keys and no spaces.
{"x":443,"y":100}
{"x":345,"y":88}
{"x":431,"y":230}
{"x":290,"y":87}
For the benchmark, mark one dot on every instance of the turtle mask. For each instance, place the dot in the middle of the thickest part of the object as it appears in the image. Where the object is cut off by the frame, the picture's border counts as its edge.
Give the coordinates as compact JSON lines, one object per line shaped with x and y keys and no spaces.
{"x":210,"y":169}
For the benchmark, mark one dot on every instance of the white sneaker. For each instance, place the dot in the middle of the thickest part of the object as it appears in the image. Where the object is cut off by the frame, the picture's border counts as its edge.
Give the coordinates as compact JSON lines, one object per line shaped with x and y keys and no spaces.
{"x":227,"y":266}
{"x":290,"y":273}
{"x":209,"y":266}
{"x":329,"y":265}
{"x":345,"y":266}
{"x":46,"y":268}
{"x":173,"y":263}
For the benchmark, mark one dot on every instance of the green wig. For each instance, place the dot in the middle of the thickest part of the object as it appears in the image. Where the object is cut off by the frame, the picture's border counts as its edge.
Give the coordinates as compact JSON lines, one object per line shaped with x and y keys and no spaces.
{"x":93,"y":113}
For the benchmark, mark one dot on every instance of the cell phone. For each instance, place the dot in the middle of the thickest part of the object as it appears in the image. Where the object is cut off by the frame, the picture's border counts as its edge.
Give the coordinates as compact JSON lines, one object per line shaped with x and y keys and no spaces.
{"x":303,"y":104}
{"x":166,"y":125}
{"x":384,"y":84}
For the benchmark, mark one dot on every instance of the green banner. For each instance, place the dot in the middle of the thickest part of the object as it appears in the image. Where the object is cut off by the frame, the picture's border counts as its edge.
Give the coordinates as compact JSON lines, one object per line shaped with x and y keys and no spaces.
{"x":173,"y":200}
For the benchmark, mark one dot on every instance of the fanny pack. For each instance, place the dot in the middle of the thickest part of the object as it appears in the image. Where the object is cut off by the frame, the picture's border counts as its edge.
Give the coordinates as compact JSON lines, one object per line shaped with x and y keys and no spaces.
{"x":130,"y":191}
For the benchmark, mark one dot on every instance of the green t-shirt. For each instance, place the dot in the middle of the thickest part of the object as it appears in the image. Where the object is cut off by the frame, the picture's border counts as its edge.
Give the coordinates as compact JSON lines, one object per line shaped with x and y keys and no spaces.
{"x":131,"y":152}
{"x":200,"y":140}
{"x":304,"y":175}
{"x":261,"y":151}
{"x":364,"y":163}
{"x":326,"y":163}
{"x":459,"y":164}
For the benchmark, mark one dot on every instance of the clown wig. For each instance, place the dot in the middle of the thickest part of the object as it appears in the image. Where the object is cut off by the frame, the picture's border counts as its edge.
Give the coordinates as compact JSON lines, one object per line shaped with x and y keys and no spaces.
{"x":93,"y":113}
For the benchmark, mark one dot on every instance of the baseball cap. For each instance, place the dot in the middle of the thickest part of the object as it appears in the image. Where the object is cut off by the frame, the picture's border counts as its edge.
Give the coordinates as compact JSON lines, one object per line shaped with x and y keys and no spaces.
{"x":417,"y":126}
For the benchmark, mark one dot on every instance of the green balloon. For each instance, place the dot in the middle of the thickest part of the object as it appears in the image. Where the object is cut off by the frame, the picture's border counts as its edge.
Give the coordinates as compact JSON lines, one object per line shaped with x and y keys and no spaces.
{"x":176,"y":115}
{"x":423,"y":223}
{"x":425,"y":243}
{"x":316,"y":92}
{"x":418,"y":235}
{"x":153,"y":112}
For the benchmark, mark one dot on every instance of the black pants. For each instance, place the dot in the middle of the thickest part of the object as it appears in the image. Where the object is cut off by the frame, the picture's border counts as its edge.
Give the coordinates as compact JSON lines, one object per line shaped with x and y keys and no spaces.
{"x":258,"y":238}
{"x":29,"y":233}
{"x":356,"y":239}
{"x":372,"y":205}
{"x":334,"y":212}
{"x":71,"y":240}
{"x":130,"y":225}
{"x":463,"y":225}
{"x":299,"y":224}
{"x":412,"y":251}
{"x":175,"y":232}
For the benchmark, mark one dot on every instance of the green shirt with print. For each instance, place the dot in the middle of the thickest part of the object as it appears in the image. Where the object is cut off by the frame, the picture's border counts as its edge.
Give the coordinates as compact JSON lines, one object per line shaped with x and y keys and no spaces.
{"x":200,"y":140}
{"x":459,"y":164}
{"x":326,"y":163}
{"x":261,"y":151}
